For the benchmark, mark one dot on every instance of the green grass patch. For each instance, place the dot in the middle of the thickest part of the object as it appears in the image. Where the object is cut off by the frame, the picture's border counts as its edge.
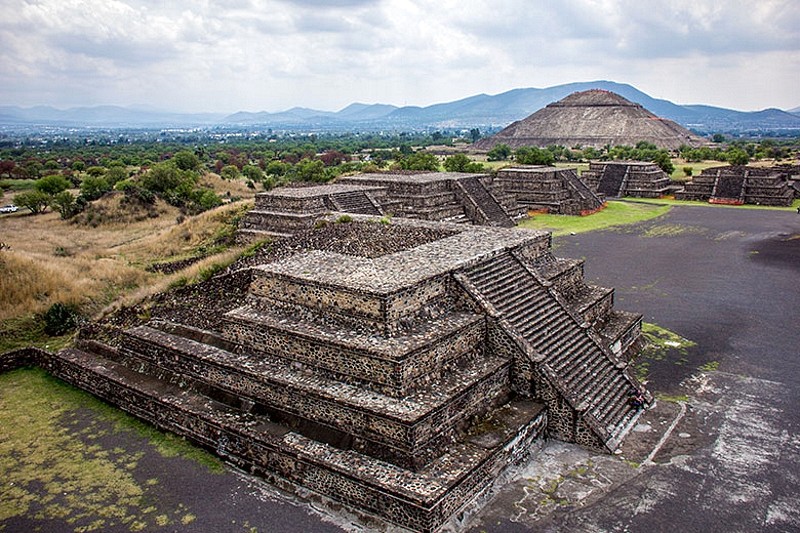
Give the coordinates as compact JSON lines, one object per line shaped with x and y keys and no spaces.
{"x":711,"y":366}
{"x":19,"y":332}
{"x":616,"y":213}
{"x":680,"y":398}
{"x":661,"y":344}
{"x":53,"y":465}
{"x":692,"y":203}
{"x":17,"y":185}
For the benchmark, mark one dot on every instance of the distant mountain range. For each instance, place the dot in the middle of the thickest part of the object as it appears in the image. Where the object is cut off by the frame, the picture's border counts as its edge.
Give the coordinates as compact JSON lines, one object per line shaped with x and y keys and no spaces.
{"x":482,"y":111}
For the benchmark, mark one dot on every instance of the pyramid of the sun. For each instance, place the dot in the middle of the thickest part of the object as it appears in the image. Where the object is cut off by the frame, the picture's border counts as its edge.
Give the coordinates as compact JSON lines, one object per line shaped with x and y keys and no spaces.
{"x":592,"y":118}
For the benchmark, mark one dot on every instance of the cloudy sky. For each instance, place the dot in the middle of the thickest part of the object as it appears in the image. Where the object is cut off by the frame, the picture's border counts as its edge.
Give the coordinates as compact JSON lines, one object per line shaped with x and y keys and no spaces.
{"x":270,"y":55}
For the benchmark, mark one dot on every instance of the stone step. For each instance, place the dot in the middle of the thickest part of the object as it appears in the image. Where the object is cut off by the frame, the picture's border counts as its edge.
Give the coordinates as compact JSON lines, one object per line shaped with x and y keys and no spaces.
{"x":501,"y":262}
{"x":572,"y":366}
{"x":558,"y":361}
{"x":524,"y":302}
{"x":410,"y":430}
{"x":599,"y":373}
{"x":420,"y":501}
{"x":396,"y":365}
{"x":584,"y":372}
{"x":498,"y":277}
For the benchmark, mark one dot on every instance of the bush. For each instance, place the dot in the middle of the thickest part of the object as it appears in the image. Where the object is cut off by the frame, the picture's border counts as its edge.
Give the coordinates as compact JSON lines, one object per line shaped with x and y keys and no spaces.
{"x":93,"y":187}
{"x":500,"y":152}
{"x":461,"y":163}
{"x":52,"y":184}
{"x":688,"y":171}
{"x":186,"y":160}
{"x":531,"y":155}
{"x":35,"y":200}
{"x":420,"y":161}
{"x":66,"y":204}
{"x":60,"y":319}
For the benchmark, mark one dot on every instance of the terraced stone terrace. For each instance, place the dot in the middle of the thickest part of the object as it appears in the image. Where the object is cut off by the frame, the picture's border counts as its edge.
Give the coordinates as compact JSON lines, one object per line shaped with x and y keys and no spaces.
{"x":396,"y":367}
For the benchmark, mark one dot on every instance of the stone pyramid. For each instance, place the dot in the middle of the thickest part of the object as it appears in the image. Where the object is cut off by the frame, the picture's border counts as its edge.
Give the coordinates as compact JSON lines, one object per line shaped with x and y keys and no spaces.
{"x":592,"y":118}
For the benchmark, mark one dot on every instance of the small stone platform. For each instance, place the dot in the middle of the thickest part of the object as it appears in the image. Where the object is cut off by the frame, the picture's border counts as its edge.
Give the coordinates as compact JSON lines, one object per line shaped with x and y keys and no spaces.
{"x":558,"y":190}
{"x":438,"y":196}
{"x":739,"y":184}
{"x":615,"y":179}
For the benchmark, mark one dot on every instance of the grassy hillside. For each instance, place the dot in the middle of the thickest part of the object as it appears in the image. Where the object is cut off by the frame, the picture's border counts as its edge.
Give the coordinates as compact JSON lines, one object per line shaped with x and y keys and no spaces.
{"x":115,"y":257}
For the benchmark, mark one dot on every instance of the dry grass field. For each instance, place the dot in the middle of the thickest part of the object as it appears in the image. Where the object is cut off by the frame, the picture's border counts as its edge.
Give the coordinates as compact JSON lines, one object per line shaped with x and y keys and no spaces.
{"x":99,"y":261}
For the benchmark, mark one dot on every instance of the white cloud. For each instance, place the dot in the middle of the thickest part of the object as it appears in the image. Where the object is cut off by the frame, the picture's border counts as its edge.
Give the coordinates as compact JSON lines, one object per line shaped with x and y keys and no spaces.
{"x":273,"y":54}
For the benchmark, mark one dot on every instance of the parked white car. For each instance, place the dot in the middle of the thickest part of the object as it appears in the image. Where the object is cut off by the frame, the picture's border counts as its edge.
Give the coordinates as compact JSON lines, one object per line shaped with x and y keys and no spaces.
{"x":11,"y":208}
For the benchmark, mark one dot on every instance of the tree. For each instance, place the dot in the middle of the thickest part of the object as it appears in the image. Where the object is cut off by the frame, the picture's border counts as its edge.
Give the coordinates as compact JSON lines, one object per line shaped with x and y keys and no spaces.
{"x":500,"y":152}
{"x":64,"y":202}
{"x":663,"y":160}
{"x":162,"y":177}
{"x":307,"y":170}
{"x":718,"y":138}
{"x":474,"y":134}
{"x":531,"y":155}
{"x":35,"y":200}
{"x":52,"y":185}
{"x":7,"y":167}
{"x":229,"y":172}
{"x":461,"y":163}
{"x":420,"y":161}
{"x":115,"y":174}
{"x":277,"y":168}
{"x":252,"y":173}
{"x":33,"y":169}
{"x":737,"y":156}
{"x":186,"y":160}
{"x":95,"y":171}
{"x":93,"y":188}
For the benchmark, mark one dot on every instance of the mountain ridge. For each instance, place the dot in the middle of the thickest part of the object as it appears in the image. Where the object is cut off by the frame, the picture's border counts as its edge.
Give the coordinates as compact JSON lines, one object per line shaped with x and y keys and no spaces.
{"x":480,"y":110}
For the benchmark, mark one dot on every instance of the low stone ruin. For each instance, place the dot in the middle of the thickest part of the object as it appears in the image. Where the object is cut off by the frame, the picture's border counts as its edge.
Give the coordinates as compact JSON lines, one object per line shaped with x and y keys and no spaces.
{"x":396,"y":367}
{"x":557,"y":190}
{"x":442,"y":196}
{"x":739,"y":184}
{"x":615,"y":179}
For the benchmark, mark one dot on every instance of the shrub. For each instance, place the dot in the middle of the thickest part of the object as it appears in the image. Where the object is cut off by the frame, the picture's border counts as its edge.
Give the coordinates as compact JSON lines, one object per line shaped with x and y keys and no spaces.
{"x":93,"y":187}
{"x":64,"y":202}
{"x":500,"y":152}
{"x":420,"y":161}
{"x":53,"y":184}
{"x":36,"y":201}
{"x":531,"y":155}
{"x":461,"y":163}
{"x":60,"y":319}
{"x":687,"y":171}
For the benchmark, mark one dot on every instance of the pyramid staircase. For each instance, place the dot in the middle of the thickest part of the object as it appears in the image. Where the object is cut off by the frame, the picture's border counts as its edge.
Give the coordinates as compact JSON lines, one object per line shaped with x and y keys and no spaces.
{"x":481,"y":203}
{"x":612,"y":180}
{"x":591,"y":379}
{"x":358,"y":202}
{"x":588,"y":199}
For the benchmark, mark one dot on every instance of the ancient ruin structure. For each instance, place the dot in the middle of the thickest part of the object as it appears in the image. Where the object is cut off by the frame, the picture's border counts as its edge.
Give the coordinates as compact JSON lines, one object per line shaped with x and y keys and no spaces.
{"x":627,"y":178}
{"x":738,"y":184}
{"x":443,"y":196}
{"x":397,"y":367}
{"x":592,"y":118}
{"x":558,"y":190}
